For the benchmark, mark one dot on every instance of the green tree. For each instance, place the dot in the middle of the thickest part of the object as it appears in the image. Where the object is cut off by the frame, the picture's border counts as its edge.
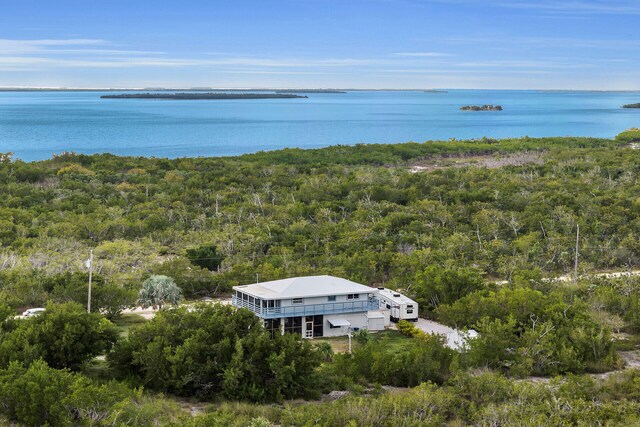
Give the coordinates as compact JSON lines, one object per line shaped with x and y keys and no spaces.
{"x":436,"y":285}
{"x":108,"y":299}
{"x":64,"y":336}
{"x":205,"y":256}
{"x":193,"y":280}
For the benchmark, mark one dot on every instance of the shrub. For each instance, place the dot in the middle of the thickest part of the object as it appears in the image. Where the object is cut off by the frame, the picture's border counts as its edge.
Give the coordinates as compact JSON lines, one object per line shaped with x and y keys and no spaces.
{"x":216,"y":350}
{"x":526,"y":332}
{"x":76,"y":169}
{"x":409,"y":329}
{"x":65,"y":336}
{"x":629,"y":135}
{"x":40,"y":395}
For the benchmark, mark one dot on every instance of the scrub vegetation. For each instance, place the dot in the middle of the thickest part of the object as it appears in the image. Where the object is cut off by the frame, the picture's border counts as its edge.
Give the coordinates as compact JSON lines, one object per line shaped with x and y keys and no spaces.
{"x":478,"y":248}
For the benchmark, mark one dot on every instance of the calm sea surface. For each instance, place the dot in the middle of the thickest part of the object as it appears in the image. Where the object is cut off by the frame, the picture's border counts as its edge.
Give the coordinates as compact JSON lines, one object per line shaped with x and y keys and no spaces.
{"x":34,"y":125}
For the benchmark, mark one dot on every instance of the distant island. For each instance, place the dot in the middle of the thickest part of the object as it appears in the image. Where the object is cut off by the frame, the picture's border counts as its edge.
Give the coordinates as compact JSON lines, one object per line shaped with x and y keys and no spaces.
{"x":481,"y":108}
{"x":632,"y":105}
{"x":208,"y":95}
{"x":435,"y":91}
{"x":310,"y":91}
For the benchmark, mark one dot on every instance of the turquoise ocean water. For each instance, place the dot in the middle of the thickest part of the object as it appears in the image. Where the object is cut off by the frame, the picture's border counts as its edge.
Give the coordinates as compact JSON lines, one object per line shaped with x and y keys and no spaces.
{"x":34,"y":125}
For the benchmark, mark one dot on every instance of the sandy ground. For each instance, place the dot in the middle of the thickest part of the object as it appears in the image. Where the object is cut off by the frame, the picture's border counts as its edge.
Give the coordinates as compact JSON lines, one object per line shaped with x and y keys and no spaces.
{"x":569,"y":277}
{"x":490,"y":161}
{"x":149,"y":312}
{"x":613,"y":274}
{"x":455,"y":339}
{"x":432,"y":327}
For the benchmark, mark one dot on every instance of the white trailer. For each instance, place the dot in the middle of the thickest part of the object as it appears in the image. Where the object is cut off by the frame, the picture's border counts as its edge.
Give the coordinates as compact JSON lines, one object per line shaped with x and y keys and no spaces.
{"x":400,"y":306}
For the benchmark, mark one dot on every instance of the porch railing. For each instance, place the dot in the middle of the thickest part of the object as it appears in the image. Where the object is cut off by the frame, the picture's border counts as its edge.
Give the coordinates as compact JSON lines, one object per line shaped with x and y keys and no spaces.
{"x":308,"y":310}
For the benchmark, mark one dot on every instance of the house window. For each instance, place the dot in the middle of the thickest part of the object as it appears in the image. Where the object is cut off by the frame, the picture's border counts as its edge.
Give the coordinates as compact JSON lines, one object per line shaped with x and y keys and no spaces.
{"x":297,"y":301}
{"x":353,"y":296}
{"x":409,"y":311}
{"x":388,"y":307}
{"x":293,"y":325}
{"x":331,"y":298}
{"x":409,"y":306}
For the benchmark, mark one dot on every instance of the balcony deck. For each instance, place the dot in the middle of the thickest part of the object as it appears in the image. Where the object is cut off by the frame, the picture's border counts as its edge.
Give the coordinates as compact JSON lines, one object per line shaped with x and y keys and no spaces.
{"x":308,"y":310}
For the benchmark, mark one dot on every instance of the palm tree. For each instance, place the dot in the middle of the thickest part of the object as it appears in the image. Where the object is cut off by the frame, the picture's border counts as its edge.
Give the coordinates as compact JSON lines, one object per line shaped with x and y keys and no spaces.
{"x":159,"y":290}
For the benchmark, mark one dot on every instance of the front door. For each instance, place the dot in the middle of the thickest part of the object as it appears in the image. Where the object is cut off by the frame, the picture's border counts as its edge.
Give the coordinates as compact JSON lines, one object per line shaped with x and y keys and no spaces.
{"x":309,"y":329}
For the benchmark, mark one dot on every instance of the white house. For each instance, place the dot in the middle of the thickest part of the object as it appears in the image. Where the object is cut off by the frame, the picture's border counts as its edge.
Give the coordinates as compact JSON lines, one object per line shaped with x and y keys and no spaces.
{"x":313,"y":306}
{"x":400,"y":306}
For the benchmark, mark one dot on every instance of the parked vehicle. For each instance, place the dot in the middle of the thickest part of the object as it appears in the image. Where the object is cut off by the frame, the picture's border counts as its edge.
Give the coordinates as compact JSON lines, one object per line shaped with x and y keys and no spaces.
{"x":400,"y":306}
{"x":33,"y":312}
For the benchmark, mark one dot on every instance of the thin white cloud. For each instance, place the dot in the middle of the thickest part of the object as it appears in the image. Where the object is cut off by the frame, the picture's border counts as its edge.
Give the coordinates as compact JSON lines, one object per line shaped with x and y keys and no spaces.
{"x":106,"y":52}
{"x":463,"y":72}
{"x":18,"y":57}
{"x":423,"y":54}
{"x":565,"y":7}
{"x":129,"y":62}
{"x":516,"y":42}
{"x":577,"y":7}
{"x":519,"y":64}
{"x":97,"y":53}
{"x":12,"y":47}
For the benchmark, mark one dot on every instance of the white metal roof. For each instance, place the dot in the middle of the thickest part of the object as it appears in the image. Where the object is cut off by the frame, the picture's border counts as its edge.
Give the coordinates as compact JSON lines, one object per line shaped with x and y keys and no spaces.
{"x":304,"y":287}
{"x":391,"y":296}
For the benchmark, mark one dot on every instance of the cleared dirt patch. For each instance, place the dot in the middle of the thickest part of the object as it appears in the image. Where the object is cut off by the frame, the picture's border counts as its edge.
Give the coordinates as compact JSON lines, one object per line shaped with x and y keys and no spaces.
{"x":491,"y":161}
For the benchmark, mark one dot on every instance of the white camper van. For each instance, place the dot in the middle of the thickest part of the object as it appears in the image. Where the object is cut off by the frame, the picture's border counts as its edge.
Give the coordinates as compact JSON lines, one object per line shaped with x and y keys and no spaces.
{"x":400,"y":306}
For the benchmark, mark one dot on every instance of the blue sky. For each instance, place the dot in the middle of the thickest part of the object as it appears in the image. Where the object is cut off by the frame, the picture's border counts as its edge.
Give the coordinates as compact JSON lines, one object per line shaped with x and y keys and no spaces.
{"x":501,"y":44}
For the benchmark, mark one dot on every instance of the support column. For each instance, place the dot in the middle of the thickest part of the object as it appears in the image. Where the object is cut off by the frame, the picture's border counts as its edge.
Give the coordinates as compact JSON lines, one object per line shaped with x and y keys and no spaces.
{"x":303,"y":319}
{"x":282,"y":326}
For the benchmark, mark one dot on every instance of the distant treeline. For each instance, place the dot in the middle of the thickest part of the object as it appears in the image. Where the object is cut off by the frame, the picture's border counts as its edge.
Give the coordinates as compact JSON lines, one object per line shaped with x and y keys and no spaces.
{"x":208,"y":95}
{"x":309,"y":91}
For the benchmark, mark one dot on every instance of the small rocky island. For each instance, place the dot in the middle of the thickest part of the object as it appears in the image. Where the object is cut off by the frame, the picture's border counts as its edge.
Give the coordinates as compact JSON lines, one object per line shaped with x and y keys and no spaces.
{"x":632,"y":105}
{"x":208,"y":95}
{"x":481,"y":108}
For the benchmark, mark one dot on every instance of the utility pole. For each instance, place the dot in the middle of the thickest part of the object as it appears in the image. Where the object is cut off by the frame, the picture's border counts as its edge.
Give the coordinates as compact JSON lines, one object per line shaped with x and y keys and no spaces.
{"x":90,"y":265}
{"x":575,"y":266}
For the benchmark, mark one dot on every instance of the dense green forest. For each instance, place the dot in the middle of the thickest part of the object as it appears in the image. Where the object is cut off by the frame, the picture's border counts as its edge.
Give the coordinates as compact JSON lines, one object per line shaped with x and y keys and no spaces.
{"x":359,"y":212}
{"x":475,"y":231}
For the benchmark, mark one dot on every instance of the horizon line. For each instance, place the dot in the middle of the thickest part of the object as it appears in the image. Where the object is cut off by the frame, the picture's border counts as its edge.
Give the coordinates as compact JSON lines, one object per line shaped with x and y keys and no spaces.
{"x":248,"y":88}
